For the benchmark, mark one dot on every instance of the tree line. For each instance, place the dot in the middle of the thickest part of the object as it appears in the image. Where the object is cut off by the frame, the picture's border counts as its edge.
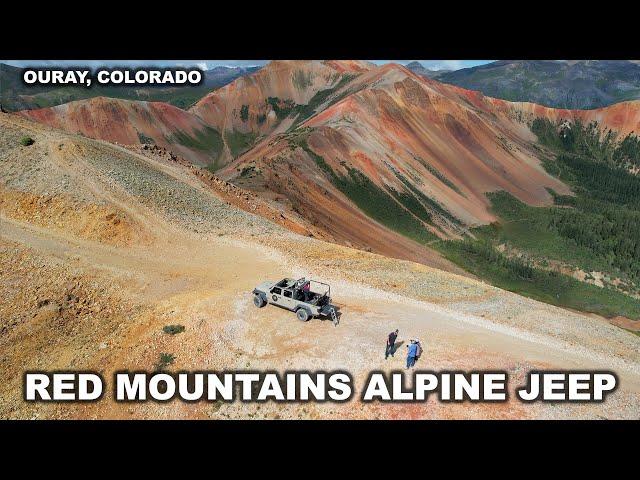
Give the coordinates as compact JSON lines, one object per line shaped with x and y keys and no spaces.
{"x":605,"y":217}
{"x":601,"y":145}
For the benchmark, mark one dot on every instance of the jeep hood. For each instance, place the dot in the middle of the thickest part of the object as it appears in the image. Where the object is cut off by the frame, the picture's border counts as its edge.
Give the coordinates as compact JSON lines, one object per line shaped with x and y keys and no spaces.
{"x":265,"y":286}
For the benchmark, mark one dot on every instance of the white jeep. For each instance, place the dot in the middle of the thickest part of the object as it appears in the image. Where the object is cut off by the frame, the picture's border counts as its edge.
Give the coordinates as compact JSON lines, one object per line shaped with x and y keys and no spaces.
{"x":307,"y":298}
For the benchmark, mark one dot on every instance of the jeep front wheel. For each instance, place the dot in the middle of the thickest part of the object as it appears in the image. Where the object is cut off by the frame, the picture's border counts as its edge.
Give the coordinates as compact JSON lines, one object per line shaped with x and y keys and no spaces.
{"x":258,"y":301}
{"x":302,"y":314}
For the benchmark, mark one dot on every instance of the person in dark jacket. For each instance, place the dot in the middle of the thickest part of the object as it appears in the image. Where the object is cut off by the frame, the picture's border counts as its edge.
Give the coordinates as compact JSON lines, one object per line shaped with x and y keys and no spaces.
{"x":391,"y":344}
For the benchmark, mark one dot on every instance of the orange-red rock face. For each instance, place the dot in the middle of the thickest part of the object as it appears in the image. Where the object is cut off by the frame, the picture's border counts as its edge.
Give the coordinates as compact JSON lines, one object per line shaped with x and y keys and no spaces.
{"x":126,"y":122}
{"x":286,"y":82}
{"x":451,"y":144}
{"x":399,"y":125}
{"x":622,"y":117}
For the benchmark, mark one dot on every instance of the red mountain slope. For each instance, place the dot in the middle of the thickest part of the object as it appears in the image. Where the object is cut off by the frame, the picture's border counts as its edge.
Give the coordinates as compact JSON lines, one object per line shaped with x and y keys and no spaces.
{"x":271,"y":99}
{"x":132,"y":122}
{"x":423,"y":149}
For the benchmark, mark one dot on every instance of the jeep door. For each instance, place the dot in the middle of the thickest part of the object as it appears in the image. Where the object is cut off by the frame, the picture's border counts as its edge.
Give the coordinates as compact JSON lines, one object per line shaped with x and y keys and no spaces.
{"x":275,"y":296}
{"x":287,"y":299}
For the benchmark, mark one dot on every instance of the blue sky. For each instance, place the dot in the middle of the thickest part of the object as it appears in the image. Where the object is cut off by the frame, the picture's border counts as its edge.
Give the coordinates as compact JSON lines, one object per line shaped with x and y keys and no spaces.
{"x":208,"y":64}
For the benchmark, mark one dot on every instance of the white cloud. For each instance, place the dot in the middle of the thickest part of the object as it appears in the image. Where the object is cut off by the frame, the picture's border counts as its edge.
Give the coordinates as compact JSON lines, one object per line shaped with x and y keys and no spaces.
{"x":447,"y":65}
{"x":202,"y":65}
{"x":454,"y":64}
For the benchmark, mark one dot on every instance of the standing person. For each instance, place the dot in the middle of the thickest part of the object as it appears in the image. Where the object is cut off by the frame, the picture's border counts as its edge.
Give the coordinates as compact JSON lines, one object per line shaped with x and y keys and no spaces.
{"x":391,"y":344}
{"x":418,"y":349}
{"x":412,"y":350}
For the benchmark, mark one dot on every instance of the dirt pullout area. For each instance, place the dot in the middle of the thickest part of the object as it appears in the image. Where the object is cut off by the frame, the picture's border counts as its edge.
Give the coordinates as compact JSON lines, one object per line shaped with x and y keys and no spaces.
{"x":74,"y":300}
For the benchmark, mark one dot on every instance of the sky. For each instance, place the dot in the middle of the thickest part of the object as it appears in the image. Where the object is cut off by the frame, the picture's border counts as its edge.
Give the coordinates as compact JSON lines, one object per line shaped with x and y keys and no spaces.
{"x":208,"y":64}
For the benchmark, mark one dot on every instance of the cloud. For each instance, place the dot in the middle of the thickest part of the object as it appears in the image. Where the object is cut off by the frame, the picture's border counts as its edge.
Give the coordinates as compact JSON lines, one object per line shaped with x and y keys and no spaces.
{"x":446,"y":65}
{"x":453,"y":64}
{"x":202,"y":66}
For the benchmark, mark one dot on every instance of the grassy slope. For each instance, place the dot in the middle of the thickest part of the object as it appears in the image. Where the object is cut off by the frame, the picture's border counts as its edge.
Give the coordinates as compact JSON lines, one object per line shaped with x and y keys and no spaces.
{"x":239,"y":142}
{"x":597,"y":230}
{"x":305,"y":111}
{"x":397,"y":211}
{"x":208,"y":141}
{"x":546,"y":286}
{"x":525,"y":228}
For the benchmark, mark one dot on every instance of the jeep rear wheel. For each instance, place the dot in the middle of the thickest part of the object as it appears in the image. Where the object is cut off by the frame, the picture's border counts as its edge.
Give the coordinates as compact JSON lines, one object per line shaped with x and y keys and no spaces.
{"x":303,"y":315}
{"x":258,"y":301}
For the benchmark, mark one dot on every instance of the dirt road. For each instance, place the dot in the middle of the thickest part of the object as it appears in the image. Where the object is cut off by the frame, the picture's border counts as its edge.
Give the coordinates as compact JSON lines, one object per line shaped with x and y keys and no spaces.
{"x":205,"y":286}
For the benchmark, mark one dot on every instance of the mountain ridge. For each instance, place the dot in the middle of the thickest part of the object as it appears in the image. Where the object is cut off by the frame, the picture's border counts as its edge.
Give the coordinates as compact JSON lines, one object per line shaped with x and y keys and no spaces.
{"x":579,"y":84}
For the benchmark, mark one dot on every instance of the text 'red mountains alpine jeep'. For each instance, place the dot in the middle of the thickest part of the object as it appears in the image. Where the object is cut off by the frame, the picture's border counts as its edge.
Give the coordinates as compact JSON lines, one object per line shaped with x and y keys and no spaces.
{"x":307,"y":298}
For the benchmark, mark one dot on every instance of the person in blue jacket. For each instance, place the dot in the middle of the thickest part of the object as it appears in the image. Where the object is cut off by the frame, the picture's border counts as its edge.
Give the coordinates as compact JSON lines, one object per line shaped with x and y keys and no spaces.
{"x":412,"y":352}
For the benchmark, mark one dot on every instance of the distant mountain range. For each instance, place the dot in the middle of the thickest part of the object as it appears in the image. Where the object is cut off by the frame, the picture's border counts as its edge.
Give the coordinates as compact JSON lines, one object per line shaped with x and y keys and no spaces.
{"x":578,"y":84}
{"x":14,"y":95}
{"x":582,"y":84}
{"x":418,"y":68}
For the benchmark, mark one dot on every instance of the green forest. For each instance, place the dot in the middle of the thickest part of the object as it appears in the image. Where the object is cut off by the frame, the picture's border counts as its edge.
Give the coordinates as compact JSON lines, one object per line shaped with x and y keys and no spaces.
{"x":597,"y":229}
